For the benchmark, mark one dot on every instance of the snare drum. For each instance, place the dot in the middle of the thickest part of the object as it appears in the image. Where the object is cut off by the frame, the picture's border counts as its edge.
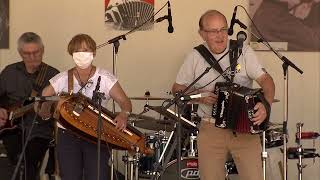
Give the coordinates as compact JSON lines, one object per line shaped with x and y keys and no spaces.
{"x":190,"y":170}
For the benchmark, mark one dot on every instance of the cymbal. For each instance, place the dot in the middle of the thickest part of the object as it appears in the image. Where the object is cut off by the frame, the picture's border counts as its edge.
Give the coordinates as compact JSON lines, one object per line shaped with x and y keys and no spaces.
{"x":148,"y":98}
{"x":275,"y":100}
{"x":137,"y":117}
{"x":172,"y":115}
{"x":151,"y":123}
{"x":274,"y":124}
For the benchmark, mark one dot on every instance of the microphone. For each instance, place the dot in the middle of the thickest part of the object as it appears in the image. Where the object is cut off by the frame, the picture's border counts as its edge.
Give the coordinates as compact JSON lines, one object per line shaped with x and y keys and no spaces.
{"x":193,"y":96}
{"x":94,"y":94}
{"x":241,"y":37}
{"x":98,"y":84}
{"x":170,"y":27}
{"x":44,"y":98}
{"x":233,"y":21}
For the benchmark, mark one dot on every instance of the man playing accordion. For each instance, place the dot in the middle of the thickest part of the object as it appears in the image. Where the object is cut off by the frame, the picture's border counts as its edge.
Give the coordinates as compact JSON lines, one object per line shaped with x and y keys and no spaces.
{"x":214,"y":144}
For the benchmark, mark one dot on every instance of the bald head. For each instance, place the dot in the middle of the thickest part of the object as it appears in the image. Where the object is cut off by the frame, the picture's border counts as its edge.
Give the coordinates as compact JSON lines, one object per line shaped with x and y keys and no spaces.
{"x":211,"y":13}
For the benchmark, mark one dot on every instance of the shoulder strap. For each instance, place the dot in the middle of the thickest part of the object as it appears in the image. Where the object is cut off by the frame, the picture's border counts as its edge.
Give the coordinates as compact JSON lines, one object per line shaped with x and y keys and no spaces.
{"x":233,"y":57}
{"x":208,"y":57}
{"x":211,"y":60}
{"x":70,"y":81}
{"x":39,"y":82}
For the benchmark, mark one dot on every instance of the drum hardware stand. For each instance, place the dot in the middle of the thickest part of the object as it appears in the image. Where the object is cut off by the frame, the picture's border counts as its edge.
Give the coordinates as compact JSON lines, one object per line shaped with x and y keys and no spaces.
{"x":300,"y":165}
{"x":97,"y":98}
{"x":285,"y":65}
{"x":158,"y":168}
{"x":125,"y":161}
{"x":192,"y":152}
{"x":165,"y":149}
{"x":131,"y":165}
{"x":264,"y":154}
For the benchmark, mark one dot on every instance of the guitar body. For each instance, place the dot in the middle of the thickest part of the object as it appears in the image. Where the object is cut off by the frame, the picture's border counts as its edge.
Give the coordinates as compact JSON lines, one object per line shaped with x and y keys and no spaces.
{"x":78,"y":114}
{"x":14,"y":116}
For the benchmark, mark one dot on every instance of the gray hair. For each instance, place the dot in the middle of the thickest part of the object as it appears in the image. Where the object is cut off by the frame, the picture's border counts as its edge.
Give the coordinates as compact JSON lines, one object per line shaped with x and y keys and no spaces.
{"x":29,"y":37}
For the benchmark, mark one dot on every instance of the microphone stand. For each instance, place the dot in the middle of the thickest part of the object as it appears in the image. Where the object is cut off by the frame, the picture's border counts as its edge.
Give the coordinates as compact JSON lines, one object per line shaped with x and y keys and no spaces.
{"x":177,"y":139}
{"x":116,"y":44}
{"x":286,"y":63}
{"x":22,"y":154}
{"x":97,"y":100}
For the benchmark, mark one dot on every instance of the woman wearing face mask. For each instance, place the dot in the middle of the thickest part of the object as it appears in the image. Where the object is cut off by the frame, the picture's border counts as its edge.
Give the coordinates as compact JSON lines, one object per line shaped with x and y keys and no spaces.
{"x":78,"y":158}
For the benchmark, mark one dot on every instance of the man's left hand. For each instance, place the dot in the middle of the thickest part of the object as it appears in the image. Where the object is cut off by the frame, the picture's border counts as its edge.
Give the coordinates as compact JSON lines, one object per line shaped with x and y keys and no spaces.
{"x":260,"y":115}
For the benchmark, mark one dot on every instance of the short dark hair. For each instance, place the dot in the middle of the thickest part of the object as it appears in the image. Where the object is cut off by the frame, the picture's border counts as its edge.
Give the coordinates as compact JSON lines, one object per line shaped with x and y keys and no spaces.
{"x":77,"y":41}
{"x":211,"y":12}
{"x":29,"y":37}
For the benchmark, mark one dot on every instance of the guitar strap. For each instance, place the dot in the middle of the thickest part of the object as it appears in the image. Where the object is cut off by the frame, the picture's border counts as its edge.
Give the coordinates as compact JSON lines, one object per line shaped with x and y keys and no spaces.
{"x":39,"y":82}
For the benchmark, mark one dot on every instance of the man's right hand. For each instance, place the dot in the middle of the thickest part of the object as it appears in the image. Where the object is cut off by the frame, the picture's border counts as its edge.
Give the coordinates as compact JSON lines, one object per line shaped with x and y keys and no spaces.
{"x":208,"y":100}
{"x":3,"y":116}
{"x":43,"y":109}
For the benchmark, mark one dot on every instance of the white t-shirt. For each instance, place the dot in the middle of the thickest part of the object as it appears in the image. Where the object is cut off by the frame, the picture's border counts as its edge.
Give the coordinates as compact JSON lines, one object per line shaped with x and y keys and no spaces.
{"x":60,"y":84}
{"x":194,"y":65}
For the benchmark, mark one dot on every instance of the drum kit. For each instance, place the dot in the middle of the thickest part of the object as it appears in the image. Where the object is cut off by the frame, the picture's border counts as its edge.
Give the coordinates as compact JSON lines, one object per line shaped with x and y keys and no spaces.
{"x":143,"y":167}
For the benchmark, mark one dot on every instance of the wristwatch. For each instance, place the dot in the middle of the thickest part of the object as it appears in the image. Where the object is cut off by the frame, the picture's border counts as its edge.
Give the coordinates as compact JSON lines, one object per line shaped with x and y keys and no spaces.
{"x":45,"y":119}
{"x":127,"y":113}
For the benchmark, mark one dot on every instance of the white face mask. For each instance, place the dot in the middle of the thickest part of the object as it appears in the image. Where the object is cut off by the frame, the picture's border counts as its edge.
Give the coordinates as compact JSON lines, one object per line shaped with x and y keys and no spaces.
{"x":82,"y":59}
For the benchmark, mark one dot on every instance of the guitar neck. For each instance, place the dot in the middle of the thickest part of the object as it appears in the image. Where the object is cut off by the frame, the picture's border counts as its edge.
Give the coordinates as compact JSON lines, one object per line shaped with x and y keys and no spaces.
{"x":20,"y":111}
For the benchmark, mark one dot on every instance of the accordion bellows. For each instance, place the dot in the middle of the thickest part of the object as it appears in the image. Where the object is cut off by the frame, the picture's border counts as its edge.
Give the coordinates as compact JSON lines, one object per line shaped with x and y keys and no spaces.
{"x":126,"y":15}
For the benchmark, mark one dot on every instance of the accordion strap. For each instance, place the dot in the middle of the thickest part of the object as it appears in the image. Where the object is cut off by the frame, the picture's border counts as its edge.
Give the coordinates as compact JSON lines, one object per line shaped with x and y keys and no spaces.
{"x":233,"y":55}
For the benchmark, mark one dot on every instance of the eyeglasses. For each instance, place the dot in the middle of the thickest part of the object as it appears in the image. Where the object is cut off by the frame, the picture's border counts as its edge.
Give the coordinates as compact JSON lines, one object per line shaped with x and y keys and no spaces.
{"x":31,"y":53}
{"x":216,"y":31}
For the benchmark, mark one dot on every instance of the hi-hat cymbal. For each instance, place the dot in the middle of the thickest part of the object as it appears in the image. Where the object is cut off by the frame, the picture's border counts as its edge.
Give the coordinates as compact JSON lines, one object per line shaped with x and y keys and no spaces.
{"x":151,"y":123}
{"x":137,"y":117}
{"x":148,"y":98}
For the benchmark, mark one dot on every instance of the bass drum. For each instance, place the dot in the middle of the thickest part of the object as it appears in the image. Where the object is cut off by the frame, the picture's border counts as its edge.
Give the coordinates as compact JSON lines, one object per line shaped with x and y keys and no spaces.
{"x":189,"y":169}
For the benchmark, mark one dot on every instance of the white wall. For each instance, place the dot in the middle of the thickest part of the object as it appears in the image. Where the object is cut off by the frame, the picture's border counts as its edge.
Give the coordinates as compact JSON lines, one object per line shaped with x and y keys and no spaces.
{"x":149,"y":60}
